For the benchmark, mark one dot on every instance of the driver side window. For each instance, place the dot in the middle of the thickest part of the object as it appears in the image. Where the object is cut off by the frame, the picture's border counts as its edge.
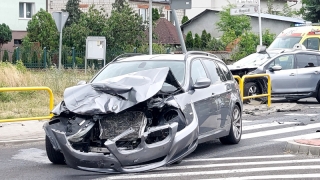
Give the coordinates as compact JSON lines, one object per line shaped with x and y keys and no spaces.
{"x":197,"y":71}
{"x":285,"y":61}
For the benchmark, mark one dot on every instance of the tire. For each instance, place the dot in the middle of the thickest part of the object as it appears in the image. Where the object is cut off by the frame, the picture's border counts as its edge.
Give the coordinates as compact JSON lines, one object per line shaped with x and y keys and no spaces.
{"x":251,"y":88}
{"x":54,"y":156}
{"x":318,"y":96}
{"x":235,"y":132}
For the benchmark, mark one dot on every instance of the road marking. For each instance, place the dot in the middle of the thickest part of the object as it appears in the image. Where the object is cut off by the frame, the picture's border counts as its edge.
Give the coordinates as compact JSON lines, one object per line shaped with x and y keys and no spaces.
{"x":239,"y":158}
{"x":305,"y":136}
{"x":231,"y":171}
{"x":32,"y":154}
{"x":314,"y":107}
{"x":246,"y":121}
{"x":284,"y":176}
{"x":301,"y":114}
{"x":240,"y":164}
{"x":259,"y":126}
{"x":279,"y":131}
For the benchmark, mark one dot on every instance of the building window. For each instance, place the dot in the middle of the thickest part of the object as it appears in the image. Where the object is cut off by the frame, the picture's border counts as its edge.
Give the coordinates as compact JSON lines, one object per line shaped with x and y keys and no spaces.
{"x":143,"y":13}
{"x":26,"y":10}
{"x":17,"y":42}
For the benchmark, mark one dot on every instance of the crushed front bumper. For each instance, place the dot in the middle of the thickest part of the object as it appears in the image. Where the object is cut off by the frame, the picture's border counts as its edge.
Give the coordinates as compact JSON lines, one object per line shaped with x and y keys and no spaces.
{"x":173,"y":148}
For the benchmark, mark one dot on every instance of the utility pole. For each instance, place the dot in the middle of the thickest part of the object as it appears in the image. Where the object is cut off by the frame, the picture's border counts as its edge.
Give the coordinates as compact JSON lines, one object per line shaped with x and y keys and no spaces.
{"x":150,"y":27}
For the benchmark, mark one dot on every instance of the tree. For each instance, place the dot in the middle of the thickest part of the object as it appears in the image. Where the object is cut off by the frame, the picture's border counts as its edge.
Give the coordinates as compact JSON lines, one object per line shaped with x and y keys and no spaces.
{"x":197,"y":41}
{"x":72,"y":7}
{"x":41,"y":28}
{"x":91,"y":23}
{"x":184,"y":19}
{"x":268,"y":37}
{"x":204,"y":39}
{"x":189,"y":40}
{"x":5,"y":34}
{"x":5,"y":57}
{"x":311,"y":10}
{"x":238,"y":24}
{"x":155,"y":14}
{"x":118,"y":5}
{"x":125,"y":27}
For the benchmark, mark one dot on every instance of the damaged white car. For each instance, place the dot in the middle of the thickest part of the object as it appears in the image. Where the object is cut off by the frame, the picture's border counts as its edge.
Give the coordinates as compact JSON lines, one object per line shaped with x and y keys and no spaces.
{"x":145,"y":111}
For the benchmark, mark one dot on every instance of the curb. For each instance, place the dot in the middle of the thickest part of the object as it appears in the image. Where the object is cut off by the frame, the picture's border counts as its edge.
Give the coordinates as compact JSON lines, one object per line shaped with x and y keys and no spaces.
{"x":297,"y":148}
{"x":19,"y":142}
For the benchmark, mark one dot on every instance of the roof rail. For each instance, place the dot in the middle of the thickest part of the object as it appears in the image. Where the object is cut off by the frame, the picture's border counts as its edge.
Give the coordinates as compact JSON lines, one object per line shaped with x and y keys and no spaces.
{"x":199,"y":52}
{"x":126,"y":55}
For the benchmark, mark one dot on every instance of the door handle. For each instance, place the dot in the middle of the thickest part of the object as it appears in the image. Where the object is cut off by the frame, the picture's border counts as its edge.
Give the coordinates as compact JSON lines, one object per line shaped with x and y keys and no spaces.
{"x":292,"y":74}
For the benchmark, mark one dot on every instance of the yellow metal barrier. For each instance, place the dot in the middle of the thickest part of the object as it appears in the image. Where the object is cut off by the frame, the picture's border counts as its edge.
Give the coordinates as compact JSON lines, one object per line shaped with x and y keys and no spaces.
{"x":240,"y":84}
{"x":260,"y":95}
{"x":30,"y":89}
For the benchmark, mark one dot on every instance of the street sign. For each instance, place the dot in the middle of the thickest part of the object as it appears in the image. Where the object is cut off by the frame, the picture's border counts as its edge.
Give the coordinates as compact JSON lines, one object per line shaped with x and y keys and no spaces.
{"x":244,"y":10}
{"x":247,"y":2}
{"x":60,"y":19}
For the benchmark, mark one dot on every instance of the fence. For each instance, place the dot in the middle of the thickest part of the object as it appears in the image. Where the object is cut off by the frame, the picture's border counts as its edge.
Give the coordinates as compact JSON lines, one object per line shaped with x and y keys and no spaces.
{"x":70,"y":57}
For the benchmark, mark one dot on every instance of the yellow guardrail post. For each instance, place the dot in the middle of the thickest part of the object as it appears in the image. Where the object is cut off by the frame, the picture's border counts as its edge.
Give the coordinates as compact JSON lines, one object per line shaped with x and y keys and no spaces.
{"x":51,"y":103}
{"x":240,"y":84}
{"x":257,"y":96}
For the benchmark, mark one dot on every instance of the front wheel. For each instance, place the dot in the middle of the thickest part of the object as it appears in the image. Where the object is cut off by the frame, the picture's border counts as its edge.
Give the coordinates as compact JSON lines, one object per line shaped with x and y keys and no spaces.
{"x":235,"y":129}
{"x":318,"y":96}
{"x":251,"y":89}
{"x":54,"y":156}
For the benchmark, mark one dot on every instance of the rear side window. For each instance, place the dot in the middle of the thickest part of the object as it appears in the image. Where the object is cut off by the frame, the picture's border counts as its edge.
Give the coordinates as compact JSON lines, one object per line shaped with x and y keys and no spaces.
{"x":225,"y":71}
{"x":306,"y":60}
{"x":311,"y":43}
{"x":213,"y":71}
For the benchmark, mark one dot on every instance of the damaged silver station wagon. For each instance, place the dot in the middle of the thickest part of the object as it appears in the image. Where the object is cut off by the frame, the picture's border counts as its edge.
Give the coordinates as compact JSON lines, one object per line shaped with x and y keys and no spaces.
{"x":141,"y":112}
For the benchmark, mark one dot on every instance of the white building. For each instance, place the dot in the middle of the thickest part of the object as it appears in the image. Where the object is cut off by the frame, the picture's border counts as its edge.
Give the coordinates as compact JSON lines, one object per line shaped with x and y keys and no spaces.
{"x":199,"y":6}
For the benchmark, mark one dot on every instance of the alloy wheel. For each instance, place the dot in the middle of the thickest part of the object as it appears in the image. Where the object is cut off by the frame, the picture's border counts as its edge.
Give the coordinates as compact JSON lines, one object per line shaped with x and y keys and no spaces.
{"x":237,"y":124}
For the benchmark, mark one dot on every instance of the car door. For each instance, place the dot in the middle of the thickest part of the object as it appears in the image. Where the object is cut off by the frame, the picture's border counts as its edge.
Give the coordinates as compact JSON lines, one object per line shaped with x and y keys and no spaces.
{"x":226,"y":91}
{"x":201,"y":97}
{"x":216,"y":90}
{"x":307,"y":72}
{"x":284,"y":80}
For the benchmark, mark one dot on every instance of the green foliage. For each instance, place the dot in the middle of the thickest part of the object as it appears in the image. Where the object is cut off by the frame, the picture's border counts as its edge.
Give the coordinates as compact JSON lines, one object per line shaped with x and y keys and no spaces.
{"x":118,"y":5}
{"x":5,"y":57}
{"x":78,"y":61}
{"x":209,"y":37}
{"x":189,"y":40}
{"x":125,"y":28}
{"x":41,"y":28}
{"x":14,"y":56}
{"x":268,"y":37}
{"x":246,"y":46}
{"x":216,"y":45}
{"x":5,"y":96}
{"x":20,"y":66}
{"x":228,"y":36}
{"x":5,"y":34}
{"x":197,"y":41}
{"x":204,"y":39}
{"x":72,"y":7}
{"x":155,"y":14}
{"x":310,"y":10}
{"x":184,"y":19}
{"x":238,"y":24}
{"x":92,"y":23}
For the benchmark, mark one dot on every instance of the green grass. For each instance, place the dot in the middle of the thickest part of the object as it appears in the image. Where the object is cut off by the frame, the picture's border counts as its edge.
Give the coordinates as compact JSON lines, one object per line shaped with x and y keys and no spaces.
{"x":25,"y":104}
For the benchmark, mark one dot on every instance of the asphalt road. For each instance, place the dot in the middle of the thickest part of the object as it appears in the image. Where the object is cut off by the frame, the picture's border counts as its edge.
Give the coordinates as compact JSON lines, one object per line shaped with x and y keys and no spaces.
{"x":259,"y":155}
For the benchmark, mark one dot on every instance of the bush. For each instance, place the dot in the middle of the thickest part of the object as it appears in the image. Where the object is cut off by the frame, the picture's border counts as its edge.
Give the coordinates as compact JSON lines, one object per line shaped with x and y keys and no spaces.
{"x":216,"y":45}
{"x":189,"y":40}
{"x":184,"y":19}
{"x":78,"y":61}
{"x":14,"y":56}
{"x":197,"y":41}
{"x":246,"y":46}
{"x":204,"y":39}
{"x":5,"y":57}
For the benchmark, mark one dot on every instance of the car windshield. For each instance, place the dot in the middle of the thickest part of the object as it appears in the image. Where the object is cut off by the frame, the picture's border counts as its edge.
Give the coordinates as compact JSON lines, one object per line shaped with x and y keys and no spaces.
{"x":284,"y":42}
{"x":121,"y":68}
{"x":255,"y":59}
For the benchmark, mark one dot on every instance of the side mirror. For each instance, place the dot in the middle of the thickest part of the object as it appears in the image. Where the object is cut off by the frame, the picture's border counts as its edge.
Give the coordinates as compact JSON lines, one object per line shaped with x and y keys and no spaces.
{"x":81,"y":83}
{"x":202,"y":83}
{"x":275,"y":68}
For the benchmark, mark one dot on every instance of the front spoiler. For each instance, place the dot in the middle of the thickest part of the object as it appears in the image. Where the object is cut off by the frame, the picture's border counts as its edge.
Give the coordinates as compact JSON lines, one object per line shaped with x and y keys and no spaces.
{"x":176,"y":146}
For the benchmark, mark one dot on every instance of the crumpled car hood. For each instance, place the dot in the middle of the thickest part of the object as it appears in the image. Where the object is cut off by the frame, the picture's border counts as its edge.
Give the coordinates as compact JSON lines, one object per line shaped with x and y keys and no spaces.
{"x":116,"y":94}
